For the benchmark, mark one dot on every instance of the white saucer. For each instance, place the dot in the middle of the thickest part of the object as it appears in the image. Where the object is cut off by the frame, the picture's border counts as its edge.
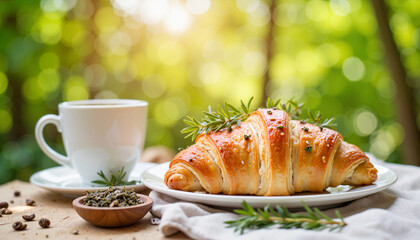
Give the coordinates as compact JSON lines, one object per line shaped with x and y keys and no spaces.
{"x":66,"y":181}
{"x":153,"y":178}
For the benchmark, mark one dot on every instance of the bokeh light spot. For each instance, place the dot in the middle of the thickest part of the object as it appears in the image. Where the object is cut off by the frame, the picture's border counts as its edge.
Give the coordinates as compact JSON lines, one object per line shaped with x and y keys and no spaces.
{"x":95,"y":76}
{"x":49,"y":60}
{"x":120,"y":43}
{"x":60,"y":5}
{"x":75,"y":89}
{"x":285,"y":14}
{"x":385,"y":87}
{"x":340,"y":7}
{"x":106,"y":20}
{"x":198,"y":6}
{"x":247,"y":5}
{"x":31,"y":89}
{"x":130,"y":7}
{"x":328,"y":54}
{"x":48,"y":5}
{"x":64,"y":5}
{"x":153,"y":11}
{"x":106,"y":94}
{"x":260,"y":16}
{"x":177,"y":20}
{"x":73,"y":33}
{"x":6,"y":122}
{"x":386,"y":140}
{"x":117,"y":63}
{"x":51,"y":33}
{"x":77,"y":93}
{"x":3,"y":83}
{"x":316,"y":10}
{"x":365,"y":123}
{"x":49,"y":80}
{"x":354,"y":69}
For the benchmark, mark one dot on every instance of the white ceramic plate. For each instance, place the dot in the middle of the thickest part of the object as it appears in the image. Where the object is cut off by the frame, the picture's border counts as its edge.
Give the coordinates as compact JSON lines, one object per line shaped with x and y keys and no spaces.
{"x":153,"y":179}
{"x":66,"y":181}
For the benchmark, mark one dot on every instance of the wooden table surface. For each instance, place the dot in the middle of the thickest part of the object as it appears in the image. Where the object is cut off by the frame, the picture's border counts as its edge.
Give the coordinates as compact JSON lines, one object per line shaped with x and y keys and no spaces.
{"x":64,"y":220}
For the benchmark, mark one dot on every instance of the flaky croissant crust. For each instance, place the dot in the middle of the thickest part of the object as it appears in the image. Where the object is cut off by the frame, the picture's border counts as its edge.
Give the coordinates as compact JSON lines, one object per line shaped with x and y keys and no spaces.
{"x":269,"y":155}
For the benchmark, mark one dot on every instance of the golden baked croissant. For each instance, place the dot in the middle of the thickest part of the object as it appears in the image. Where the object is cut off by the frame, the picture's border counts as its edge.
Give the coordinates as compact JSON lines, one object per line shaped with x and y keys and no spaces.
{"x":269,"y":154}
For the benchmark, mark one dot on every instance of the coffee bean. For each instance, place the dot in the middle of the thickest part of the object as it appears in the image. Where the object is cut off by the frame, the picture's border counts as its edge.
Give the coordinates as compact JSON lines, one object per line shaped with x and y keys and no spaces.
{"x":4,"y":205}
{"x":28,"y":217}
{"x":30,"y":202}
{"x":44,"y":222}
{"x":18,"y":226}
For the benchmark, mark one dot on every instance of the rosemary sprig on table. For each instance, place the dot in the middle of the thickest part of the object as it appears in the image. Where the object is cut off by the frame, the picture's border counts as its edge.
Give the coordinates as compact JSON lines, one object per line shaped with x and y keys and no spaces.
{"x":114,"y":180}
{"x":257,"y":219}
{"x":228,"y":116}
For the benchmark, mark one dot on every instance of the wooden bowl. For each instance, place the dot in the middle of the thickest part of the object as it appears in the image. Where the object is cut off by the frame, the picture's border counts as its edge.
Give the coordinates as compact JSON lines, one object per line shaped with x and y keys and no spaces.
{"x":115,"y":216}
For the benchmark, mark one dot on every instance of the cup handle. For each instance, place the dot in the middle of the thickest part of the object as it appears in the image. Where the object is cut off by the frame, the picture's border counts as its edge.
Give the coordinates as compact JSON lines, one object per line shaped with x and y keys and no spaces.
{"x":42,"y":122}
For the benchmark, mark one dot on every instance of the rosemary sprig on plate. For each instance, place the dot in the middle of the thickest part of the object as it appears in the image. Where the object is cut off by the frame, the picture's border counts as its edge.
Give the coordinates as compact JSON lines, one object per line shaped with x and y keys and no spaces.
{"x":114,"y":180}
{"x":228,"y":116}
{"x":257,"y":219}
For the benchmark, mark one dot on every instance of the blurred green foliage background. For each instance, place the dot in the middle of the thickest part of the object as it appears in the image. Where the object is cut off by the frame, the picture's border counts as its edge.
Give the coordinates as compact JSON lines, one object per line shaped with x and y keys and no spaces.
{"x":181,"y":56}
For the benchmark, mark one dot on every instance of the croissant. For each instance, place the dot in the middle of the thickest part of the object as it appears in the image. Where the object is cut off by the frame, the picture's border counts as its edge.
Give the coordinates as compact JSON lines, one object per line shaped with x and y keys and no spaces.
{"x":269,"y":155}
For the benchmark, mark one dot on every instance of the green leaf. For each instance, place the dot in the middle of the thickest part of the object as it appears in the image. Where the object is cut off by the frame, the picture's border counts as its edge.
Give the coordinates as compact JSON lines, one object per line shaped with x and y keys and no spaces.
{"x":339,"y":215}
{"x":114,"y":180}
{"x":263,"y":213}
{"x":309,"y":210}
{"x":241,"y":212}
{"x":322,"y":214}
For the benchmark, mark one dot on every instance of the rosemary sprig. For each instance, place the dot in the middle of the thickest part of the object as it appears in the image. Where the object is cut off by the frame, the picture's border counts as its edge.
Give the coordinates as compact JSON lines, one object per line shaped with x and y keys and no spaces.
{"x":271,"y":103}
{"x":228,"y":116}
{"x":114,"y":180}
{"x":225,"y":117}
{"x":257,"y":219}
{"x":294,"y":109}
{"x":317,"y":120}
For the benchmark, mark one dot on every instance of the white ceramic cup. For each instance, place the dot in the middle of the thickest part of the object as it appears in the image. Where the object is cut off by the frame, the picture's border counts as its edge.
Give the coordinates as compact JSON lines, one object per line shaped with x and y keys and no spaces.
{"x":98,"y":135}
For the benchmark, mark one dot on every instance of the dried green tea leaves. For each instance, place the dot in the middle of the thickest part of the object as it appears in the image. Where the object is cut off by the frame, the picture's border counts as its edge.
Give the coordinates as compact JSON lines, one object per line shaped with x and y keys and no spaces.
{"x":112,"y":197}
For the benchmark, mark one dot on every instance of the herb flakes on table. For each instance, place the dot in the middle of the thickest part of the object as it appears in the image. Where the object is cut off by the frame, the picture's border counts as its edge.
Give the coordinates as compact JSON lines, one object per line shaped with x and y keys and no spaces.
{"x":112,"y":197}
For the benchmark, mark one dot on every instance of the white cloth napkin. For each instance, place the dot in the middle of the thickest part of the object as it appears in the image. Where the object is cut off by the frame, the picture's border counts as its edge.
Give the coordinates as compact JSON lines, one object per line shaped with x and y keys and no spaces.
{"x":390,"y":214}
